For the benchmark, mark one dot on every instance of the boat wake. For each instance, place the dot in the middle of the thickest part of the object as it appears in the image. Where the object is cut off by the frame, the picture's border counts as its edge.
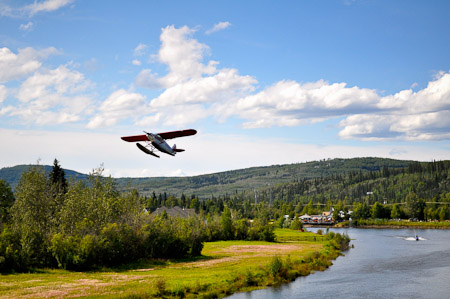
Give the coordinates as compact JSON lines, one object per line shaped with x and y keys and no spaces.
{"x":412,"y":238}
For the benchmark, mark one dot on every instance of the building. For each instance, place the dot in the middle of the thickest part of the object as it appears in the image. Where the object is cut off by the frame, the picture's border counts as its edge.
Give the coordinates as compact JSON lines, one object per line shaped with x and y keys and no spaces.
{"x":175,"y":212}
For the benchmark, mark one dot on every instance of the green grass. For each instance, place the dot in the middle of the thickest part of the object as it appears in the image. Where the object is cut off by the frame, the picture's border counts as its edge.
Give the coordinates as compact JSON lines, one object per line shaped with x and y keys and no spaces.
{"x":222,"y":264}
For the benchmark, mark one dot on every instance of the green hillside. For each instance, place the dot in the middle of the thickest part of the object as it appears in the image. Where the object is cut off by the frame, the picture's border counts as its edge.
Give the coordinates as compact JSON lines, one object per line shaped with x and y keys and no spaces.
{"x":12,"y":174}
{"x":230,"y":182}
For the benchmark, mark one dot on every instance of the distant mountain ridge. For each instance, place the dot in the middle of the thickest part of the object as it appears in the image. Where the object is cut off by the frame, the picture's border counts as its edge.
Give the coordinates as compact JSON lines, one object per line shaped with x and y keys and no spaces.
{"x":230,"y":182}
{"x":12,"y":174}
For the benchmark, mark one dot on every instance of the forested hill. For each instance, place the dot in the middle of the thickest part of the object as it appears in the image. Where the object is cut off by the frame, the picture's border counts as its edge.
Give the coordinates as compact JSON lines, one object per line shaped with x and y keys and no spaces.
{"x":12,"y":174}
{"x":232,"y":182}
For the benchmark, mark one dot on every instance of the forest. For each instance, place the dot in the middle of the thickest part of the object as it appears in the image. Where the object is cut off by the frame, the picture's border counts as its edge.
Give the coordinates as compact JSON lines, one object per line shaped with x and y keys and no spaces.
{"x":419,"y":191}
{"x":48,"y":221}
{"x":84,"y":224}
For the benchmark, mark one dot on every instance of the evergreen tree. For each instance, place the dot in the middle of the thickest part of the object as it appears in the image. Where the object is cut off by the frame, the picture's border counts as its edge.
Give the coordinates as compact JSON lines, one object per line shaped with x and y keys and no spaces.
{"x":377,"y":211}
{"x":227,"y":224}
{"x":58,"y":178}
{"x":396,"y":213}
{"x":6,"y":201}
{"x":296,"y":224}
{"x":415,"y":206}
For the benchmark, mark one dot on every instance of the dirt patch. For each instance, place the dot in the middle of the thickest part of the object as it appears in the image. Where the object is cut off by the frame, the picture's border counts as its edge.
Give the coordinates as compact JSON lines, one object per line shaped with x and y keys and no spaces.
{"x":209,"y":263}
{"x":144,"y":270}
{"x":235,"y":253}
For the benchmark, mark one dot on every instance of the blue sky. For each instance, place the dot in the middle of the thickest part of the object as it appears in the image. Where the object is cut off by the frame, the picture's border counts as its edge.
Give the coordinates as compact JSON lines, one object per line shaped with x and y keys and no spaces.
{"x":263,"y":82}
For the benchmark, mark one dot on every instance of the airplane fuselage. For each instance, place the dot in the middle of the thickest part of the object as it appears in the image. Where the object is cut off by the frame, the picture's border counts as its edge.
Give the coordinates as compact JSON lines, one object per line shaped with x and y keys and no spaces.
{"x":160,"y":144}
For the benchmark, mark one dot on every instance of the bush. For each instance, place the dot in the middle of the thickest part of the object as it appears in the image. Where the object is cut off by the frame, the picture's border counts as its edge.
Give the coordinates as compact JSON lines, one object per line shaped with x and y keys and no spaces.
{"x":275,"y":266}
{"x":63,"y":248}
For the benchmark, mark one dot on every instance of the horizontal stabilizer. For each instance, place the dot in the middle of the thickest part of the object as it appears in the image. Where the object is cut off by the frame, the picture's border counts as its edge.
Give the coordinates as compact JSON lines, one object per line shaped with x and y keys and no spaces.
{"x":135,"y":138}
{"x":146,"y":150}
{"x":178,"y":150}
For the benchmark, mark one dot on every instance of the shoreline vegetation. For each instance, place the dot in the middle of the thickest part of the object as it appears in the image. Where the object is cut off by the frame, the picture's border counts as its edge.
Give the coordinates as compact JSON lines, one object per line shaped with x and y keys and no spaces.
{"x":393,"y":224}
{"x":224,"y":268}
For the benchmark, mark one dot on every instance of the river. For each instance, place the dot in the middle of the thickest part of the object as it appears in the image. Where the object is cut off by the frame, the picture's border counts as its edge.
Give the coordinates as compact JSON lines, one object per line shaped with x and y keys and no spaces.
{"x":384,"y":263}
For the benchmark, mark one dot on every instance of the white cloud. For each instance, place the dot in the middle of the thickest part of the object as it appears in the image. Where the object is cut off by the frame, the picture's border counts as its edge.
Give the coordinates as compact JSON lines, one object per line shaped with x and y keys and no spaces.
{"x":183,"y":55}
{"x":193,"y":88}
{"x":26,"y":27}
{"x":223,"y":85}
{"x":146,"y":78}
{"x":406,"y":115}
{"x":3,"y":93}
{"x":136,"y":62}
{"x":140,"y":50}
{"x":121,"y":104}
{"x":6,"y":10}
{"x":43,"y":84}
{"x":26,"y":61}
{"x":149,"y":120}
{"x":202,"y":89}
{"x":288,"y":103}
{"x":31,"y":9}
{"x":45,"y":6}
{"x":218,"y":27}
{"x":52,"y":97}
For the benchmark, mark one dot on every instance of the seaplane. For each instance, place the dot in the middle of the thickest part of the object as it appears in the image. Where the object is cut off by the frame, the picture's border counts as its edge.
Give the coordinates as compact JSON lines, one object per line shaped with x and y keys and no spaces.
{"x":157,"y":141}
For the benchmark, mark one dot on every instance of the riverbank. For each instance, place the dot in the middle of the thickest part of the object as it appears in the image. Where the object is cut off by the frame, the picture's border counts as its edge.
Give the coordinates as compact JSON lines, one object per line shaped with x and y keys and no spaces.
{"x":381,"y":223}
{"x":224,"y":268}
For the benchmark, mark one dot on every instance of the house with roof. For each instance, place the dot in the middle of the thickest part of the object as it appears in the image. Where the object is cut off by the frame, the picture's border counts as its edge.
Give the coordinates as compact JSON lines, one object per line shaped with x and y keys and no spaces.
{"x":174,"y":212}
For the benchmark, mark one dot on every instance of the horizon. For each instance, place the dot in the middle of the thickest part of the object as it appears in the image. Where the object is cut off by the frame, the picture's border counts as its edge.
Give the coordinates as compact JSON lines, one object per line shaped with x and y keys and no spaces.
{"x":262,"y":83}
{"x":262,"y":166}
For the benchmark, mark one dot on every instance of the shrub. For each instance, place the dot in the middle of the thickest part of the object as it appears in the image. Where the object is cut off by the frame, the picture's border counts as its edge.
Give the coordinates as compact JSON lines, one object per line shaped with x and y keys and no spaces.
{"x":275,"y":266}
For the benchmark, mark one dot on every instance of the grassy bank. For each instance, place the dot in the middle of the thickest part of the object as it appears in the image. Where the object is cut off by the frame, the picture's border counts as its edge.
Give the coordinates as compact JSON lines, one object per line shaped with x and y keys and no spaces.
{"x":384,"y":223}
{"x":224,"y":268}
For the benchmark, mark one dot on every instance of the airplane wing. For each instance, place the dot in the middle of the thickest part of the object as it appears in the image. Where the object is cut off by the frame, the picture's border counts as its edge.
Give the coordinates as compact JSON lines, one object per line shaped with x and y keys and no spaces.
{"x":135,"y":138}
{"x":176,"y":134}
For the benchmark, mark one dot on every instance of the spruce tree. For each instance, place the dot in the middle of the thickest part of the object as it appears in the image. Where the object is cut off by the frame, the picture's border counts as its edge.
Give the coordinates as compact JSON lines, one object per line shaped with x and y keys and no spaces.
{"x":57,"y":177}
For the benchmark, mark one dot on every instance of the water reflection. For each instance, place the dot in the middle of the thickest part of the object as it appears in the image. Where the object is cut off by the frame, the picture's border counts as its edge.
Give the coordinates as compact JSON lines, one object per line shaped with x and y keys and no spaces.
{"x":385,"y":263}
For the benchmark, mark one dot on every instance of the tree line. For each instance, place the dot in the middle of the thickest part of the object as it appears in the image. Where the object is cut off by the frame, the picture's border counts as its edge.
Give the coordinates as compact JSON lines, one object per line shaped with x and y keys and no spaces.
{"x":421,"y":191}
{"x":49,"y":222}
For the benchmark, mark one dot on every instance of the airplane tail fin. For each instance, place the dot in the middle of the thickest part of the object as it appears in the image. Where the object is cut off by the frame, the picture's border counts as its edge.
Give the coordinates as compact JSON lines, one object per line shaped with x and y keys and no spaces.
{"x":174,"y":147}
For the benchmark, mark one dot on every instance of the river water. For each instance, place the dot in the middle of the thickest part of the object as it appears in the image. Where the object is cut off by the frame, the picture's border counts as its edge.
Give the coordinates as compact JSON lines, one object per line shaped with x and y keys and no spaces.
{"x":384,"y":263}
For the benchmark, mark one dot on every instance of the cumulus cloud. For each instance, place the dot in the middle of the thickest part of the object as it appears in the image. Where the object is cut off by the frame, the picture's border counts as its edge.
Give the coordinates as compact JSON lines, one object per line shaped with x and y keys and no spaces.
{"x":26,"y":61}
{"x":3,"y":93}
{"x":39,"y":95}
{"x":193,"y":89}
{"x":119,"y":105}
{"x":288,"y":103}
{"x":219,"y":26}
{"x":201,"y":89}
{"x":146,"y":78}
{"x":406,"y":115}
{"x":183,"y":55}
{"x":45,"y":6}
{"x":52,"y":97}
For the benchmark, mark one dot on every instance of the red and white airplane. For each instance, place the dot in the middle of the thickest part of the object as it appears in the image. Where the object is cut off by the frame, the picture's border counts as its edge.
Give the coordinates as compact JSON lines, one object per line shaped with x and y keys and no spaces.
{"x":156,"y":141}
